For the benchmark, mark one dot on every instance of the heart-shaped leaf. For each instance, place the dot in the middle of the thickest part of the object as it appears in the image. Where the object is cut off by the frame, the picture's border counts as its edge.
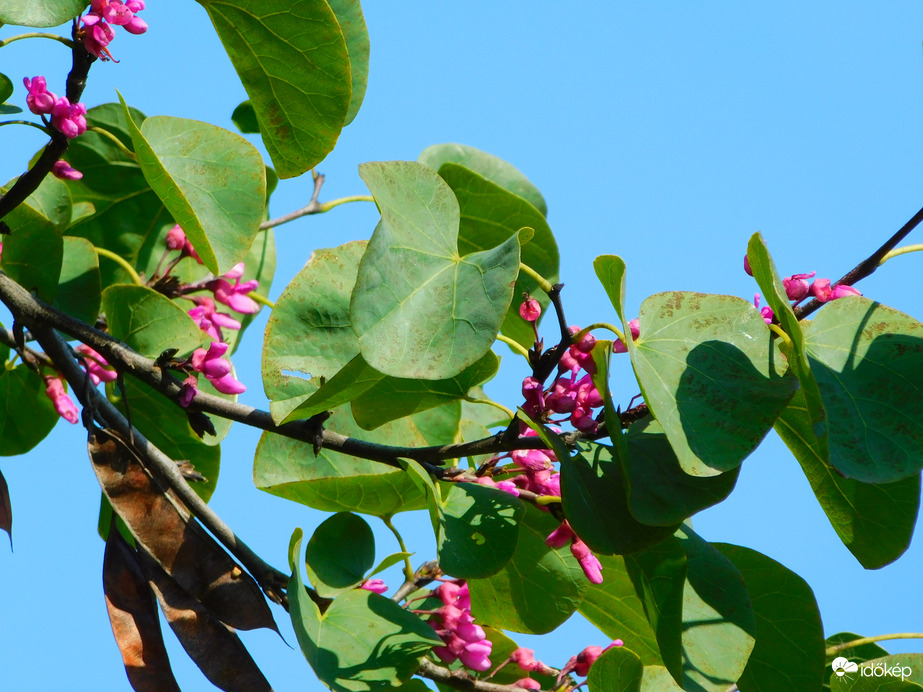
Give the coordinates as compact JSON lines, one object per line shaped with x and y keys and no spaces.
{"x":40,"y":14}
{"x":618,"y":670}
{"x":339,"y":554}
{"x":419,"y":308}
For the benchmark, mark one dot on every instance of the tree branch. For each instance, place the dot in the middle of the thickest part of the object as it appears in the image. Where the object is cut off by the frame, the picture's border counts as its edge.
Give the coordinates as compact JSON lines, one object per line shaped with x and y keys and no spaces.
{"x":459,"y":679}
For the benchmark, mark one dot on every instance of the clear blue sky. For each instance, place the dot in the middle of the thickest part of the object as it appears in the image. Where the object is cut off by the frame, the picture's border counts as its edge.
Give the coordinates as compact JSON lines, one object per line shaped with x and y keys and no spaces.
{"x":666,"y":133}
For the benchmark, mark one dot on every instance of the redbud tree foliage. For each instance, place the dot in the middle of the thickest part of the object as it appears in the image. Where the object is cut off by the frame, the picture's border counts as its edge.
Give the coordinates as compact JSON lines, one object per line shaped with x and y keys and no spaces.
{"x":136,"y":248}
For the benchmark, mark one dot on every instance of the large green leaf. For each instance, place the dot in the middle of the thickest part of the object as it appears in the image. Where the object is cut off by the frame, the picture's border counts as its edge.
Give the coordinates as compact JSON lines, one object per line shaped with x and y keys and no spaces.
{"x":362,"y":641}
{"x":660,"y":493}
{"x":333,"y":482}
{"x":487,"y":165}
{"x":719,"y":625}
{"x":658,"y":679}
{"x":40,"y":13}
{"x":490,"y":214}
{"x":149,"y":322}
{"x":538,"y":589}
{"x":420,"y":309}
{"x":293,"y":61}
{"x":875,"y":521}
{"x":789,"y":650}
{"x":339,"y":554}
{"x":705,"y":366}
{"x":26,"y":413}
{"x":614,"y":607}
{"x":867,"y":360}
{"x":356,"y":34}
{"x":79,"y":286}
{"x":212,"y":181}
{"x":618,"y":670}
{"x":478,"y":529}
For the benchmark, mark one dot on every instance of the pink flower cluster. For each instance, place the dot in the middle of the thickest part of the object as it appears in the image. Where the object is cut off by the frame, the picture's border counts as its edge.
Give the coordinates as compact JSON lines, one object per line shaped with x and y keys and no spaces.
{"x":216,"y":369}
{"x":96,"y":32}
{"x":67,"y":118}
{"x":464,"y":640}
{"x":98,"y":368}
{"x":54,"y":388}
{"x":589,"y":563}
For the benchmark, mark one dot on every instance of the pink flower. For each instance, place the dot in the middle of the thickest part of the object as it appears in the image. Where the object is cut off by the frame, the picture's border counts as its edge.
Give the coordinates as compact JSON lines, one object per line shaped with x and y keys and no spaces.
{"x":176,"y":240}
{"x":374,"y":585}
{"x":66,"y":408}
{"x":824,"y":293}
{"x":235,"y":297}
{"x":63,"y":170}
{"x":98,"y":368}
{"x":561,"y":536}
{"x":69,"y":119}
{"x":796,"y":286}
{"x":475,"y":655}
{"x":634,"y":327}
{"x":188,"y":391}
{"x":588,"y":561}
{"x":210,"y":320}
{"x":528,"y":684}
{"x":39,"y":100}
{"x":525,"y":659}
{"x":530,"y":310}
{"x":216,"y":369}
{"x":765,"y":312}
{"x":97,"y":34}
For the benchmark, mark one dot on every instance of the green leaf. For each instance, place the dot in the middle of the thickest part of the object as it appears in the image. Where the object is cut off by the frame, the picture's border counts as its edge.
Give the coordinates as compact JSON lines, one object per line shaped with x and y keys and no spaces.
{"x":362,"y":641}
{"x":9,"y":109}
{"x":6,"y":87}
{"x":867,"y":360}
{"x":356,"y":34}
{"x":490,"y":215}
{"x":478,"y":530}
{"x":855,"y":654}
{"x":32,"y":257}
{"x":658,"y":679}
{"x":333,"y":482}
{"x":26,"y":413}
{"x":212,"y":181}
{"x":705,"y":366}
{"x":660,"y":493}
{"x":352,"y":380}
{"x":875,"y":522}
{"x":538,"y":589}
{"x":79,"y":286}
{"x":487,"y":165}
{"x":393,"y":397}
{"x":719,"y":626}
{"x":789,"y":650}
{"x":165,"y":424}
{"x":618,"y":670}
{"x":40,"y":14}
{"x":447,"y":317}
{"x":614,"y":607}
{"x":245,"y":118}
{"x":292,"y":59}
{"x":339,"y":554}
{"x":149,"y":322}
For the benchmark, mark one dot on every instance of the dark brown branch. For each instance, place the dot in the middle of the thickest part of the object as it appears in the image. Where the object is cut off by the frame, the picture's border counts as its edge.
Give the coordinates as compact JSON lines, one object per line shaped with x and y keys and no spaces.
{"x":867,"y":266}
{"x":425,"y":574}
{"x":459,"y":679}
{"x":30,"y":180}
{"x":158,"y":463}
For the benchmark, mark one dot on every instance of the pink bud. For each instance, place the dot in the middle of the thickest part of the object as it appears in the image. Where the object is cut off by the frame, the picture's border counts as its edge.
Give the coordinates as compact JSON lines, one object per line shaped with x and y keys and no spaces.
{"x":475,"y":655}
{"x":586,"y":658}
{"x":530,"y":310}
{"x":796,"y":286}
{"x":176,"y":238}
{"x":66,"y":408}
{"x":841,"y":291}
{"x":634,"y":326}
{"x":561,"y":536}
{"x":374,"y":585}
{"x":747,"y":265}
{"x":62,"y":169}
{"x":588,"y":561}
{"x":528,"y":684}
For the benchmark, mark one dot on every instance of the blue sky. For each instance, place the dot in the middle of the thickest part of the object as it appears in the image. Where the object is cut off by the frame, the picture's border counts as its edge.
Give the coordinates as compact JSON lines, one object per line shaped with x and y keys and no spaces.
{"x":666,"y":133}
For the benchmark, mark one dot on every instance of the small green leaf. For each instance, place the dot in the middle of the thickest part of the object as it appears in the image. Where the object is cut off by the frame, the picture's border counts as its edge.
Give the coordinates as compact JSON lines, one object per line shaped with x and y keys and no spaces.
{"x":245,"y":118}
{"x":339,"y":554}
{"x":26,"y":413}
{"x":538,"y":589}
{"x":478,"y":530}
{"x":875,"y":522}
{"x":42,"y":14}
{"x":352,"y":380}
{"x":9,"y":109}
{"x":614,"y":607}
{"x":789,"y":650}
{"x":705,"y":368}
{"x":292,"y":59}
{"x":618,"y":670}
{"x":447,"y":317}
{"x":212,"y":181}
{"x":487,"y":165}
{"x":79,"y":285}
{"x":362,"y":642}
{"x":389,"y":561}
{"x":149,"y":322}
{"x":6,"y":87}
{"x":356,"y":35}
{"x":856,"y":654}
{"x":610,"y":270}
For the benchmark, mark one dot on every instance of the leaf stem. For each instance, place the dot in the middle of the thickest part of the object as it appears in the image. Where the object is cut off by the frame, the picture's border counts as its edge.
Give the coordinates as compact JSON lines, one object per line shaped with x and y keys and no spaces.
{"x":263,"y":300}
{"x":543,"y":283}
{"x":515,"y":345}
{"x":27,"y":122}
{"x":37,"y":34}
{"x":599,"y":325}
{"x":327,"y":206}
{"x":778,"y":331}
{"x":122,"y":262}
{"x":408,"y":568}
{"x":115,"y":140}
{"x":833,"y":650}
{"x":906,"y":249}
{"x":490,"y":402}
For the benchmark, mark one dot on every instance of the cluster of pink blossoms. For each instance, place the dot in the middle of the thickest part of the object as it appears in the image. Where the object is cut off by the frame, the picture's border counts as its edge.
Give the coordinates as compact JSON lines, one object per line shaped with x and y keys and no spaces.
{"x":67,"y":118}
{"x":464,"y":640}
{"x":98,"y":370}
{"x":97,"y":34}
{"x":797,"y":288}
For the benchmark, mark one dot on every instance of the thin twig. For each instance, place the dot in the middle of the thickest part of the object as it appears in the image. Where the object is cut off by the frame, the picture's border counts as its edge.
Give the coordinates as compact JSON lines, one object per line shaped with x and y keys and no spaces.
{"x":459,"y":679}
{"x":312,"y":207}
